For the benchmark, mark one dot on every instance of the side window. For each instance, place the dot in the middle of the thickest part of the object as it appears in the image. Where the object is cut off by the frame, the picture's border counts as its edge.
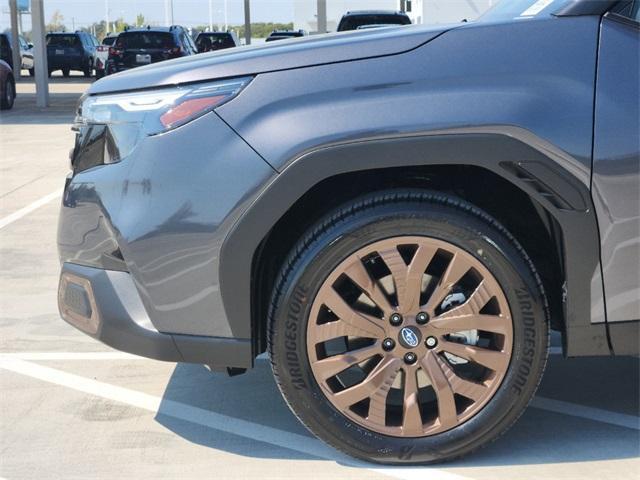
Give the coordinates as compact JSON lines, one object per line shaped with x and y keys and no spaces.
{"x":629,"y":9}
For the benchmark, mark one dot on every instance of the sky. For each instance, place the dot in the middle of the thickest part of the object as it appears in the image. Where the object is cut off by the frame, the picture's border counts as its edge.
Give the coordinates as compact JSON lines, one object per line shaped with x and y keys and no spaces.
{"x":188,"y":13}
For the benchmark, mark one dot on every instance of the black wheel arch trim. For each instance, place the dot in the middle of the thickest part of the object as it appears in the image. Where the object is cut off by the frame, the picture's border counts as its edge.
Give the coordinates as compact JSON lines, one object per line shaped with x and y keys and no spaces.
{"x":546,"y":174}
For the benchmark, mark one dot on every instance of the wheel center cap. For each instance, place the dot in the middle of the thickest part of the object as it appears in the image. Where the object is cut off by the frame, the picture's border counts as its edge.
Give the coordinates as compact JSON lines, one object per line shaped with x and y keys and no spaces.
{"x":409,"y":337}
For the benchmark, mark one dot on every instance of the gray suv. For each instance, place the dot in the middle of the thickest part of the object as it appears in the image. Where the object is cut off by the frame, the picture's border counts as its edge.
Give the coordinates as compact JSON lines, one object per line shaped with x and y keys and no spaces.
{"x":398,"y":216}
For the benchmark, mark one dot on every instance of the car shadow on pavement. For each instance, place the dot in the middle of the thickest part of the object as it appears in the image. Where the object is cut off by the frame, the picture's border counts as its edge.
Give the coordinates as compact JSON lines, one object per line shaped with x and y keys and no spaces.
{"x":539,"y":437}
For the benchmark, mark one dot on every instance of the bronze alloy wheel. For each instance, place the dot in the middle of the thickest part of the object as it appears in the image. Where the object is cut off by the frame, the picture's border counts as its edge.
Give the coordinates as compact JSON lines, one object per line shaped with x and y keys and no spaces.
{"x":409,"y":336}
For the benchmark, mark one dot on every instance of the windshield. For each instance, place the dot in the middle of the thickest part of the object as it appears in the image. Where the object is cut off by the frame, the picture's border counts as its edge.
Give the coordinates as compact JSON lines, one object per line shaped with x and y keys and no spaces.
{"x":521,"y":9}
{"x":146,"y":40}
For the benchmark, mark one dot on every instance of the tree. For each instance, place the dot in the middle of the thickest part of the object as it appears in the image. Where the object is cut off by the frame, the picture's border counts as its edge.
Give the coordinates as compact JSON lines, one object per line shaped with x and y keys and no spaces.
{"x":140,"y":20}
{"x":56,"y":24}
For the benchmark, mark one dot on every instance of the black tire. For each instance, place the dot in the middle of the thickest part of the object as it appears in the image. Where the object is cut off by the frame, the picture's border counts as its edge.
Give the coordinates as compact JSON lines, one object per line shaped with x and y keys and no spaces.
{"x":65,"y":72}
{"x":373,"y":218}
{"x":32,"y":72}
{"x":88,"y":69}
{"x":9,"y":97}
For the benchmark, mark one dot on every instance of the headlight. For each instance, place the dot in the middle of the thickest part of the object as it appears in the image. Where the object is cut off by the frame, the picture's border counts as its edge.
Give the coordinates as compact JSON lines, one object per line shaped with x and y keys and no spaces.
{"x":161,"y":109}
{"x":129,"y":116}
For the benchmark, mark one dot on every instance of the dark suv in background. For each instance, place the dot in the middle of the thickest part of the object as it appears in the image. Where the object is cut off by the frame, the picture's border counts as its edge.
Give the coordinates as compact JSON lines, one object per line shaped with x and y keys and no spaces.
{"x":71,"y":51}
{"x":285,"y":34}
{"x":142,"y":46}
{"x":397,"y":216}
{"x":357,"y":19}
{"x":212,"y":41}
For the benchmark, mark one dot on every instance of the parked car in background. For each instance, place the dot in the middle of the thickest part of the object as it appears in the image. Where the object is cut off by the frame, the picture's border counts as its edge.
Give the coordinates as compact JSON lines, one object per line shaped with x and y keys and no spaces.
{"x":6,"y":54}
{"x":143,"y":46}
{"x":212,"y":41}
{"x":71,"y":51}
{"x":26,"y":52}
{"x":102,"y":54}
{"x":355,"y":19}
{"x":375,"y":25}
{"x":398,"y":217}
{"x":7,"y":86}
{"x":285,"y":34}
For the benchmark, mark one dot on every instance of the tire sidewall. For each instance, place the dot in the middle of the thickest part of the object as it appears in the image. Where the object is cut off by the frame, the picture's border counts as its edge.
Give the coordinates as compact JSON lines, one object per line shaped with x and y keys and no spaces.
{"x":485,"y":242}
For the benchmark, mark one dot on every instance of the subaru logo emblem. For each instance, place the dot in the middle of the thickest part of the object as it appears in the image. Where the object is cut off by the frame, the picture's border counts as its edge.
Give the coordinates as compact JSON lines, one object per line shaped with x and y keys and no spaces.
{"x":409,"y":337}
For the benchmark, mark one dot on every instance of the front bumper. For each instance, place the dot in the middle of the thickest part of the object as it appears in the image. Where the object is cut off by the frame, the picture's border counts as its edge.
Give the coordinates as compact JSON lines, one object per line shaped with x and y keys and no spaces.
{"x":105,"y":305}
{"x":148,"y":230}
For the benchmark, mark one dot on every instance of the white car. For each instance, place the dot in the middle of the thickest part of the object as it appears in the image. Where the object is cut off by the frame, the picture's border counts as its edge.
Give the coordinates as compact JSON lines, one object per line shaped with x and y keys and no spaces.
{"x":102,"y":54}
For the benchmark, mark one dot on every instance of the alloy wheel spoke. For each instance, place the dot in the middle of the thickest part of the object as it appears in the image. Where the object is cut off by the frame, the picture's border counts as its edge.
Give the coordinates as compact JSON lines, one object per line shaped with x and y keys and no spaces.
{"x":457,"y":268}
{"x":397,"y":267}
{"x":411,"y":417}
{"x":408,"y":278}
{"x":376,"y":385}
{"x":471,"y":390}
{"x":419,"y":263}
{"x":368,"y":326}
{"x":460,"y":323}
{"x":330,"y":366}
{"x":331,"y":330}
{"x":492,"y":359}
{"x":360,"y":276}
{"x":447,"y":415}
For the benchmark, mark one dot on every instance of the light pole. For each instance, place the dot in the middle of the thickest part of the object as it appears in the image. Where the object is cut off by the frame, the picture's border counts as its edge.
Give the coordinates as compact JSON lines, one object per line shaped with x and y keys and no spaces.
{"x":226,"y":23}
{"x":247,"y":22}
{"x":106,"y":16}
{"x":211,"y":15}
{"x":168,"y":12}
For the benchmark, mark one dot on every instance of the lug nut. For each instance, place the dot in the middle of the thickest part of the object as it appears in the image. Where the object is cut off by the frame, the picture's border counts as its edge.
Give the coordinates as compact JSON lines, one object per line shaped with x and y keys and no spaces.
{"x":410,"y":358}
{"x":431,"y":342}
{"x":422,"y":318}
{"x":395,"y":319}
{"x":388,"y":344}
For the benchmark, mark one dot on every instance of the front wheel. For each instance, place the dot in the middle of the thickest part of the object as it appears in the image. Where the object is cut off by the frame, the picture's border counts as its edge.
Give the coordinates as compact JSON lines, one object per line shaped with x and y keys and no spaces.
{"x":408,"y":327}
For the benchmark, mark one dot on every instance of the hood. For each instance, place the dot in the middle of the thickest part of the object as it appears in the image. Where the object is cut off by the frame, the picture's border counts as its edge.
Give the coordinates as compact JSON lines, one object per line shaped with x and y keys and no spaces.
{"x":281,"y":55}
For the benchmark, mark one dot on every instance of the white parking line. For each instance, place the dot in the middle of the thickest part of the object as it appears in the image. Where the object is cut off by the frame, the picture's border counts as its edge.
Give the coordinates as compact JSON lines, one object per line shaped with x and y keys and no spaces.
{"x":292,"y":441}
{"x":113,"y":355}
{"x":44,"y":356}
{"x":590,"y":413}
{"x":17,"y":215}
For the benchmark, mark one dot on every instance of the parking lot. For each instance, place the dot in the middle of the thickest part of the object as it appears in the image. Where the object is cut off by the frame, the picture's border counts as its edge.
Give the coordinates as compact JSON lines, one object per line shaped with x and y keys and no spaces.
{"x":73,"y":408}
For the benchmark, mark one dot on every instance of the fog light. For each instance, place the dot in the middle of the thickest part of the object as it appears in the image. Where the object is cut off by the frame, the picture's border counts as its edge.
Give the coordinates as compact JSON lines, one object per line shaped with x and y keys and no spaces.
{"x":77,"y":304}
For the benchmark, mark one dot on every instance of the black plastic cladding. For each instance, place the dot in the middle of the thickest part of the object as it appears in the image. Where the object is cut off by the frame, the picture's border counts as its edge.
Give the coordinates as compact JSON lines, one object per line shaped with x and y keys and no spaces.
{"x":488,"y":151}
